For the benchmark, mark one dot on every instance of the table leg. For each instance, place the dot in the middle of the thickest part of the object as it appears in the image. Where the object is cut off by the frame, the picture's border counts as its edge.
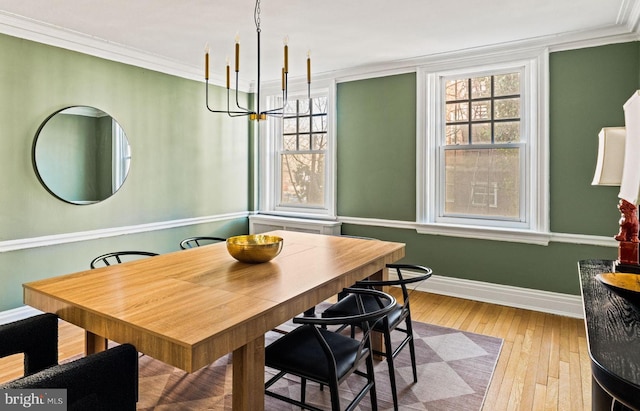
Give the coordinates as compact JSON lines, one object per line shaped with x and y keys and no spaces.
{"x":94,"y":343}
{"x":248,"y":376}
{"x":377,"y":342}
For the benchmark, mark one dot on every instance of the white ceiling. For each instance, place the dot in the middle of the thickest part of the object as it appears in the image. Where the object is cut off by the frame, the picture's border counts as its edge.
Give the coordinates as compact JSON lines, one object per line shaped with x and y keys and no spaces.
{"x":339,"y":33}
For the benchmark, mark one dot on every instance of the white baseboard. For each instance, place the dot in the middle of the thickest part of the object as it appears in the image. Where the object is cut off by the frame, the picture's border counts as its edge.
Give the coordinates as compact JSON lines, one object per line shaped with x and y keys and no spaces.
{"x":16,"y":314}
{"x":537,"y":300}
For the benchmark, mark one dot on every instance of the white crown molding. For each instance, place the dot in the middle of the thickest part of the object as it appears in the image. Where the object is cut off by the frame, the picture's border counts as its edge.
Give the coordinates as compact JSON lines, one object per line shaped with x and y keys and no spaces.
{"x":56,"y":239}
{"x":612,"y":34}
{"x":629,"y":14}
{"x":567,"y":305}
{"x":19,"y":26}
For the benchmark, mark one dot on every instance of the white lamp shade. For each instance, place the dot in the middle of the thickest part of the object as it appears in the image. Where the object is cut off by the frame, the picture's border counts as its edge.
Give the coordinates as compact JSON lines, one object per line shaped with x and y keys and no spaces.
{"x":630,"y":184}
{"x":610,"y":157}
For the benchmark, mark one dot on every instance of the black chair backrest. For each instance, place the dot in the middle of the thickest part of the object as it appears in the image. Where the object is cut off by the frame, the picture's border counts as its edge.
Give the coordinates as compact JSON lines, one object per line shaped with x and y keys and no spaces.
{"x":193,"y":242}
{"x":425,"y":272}
{"x":365,"y":320}
{"x":36,"y":337}
{"x":118,"y":257}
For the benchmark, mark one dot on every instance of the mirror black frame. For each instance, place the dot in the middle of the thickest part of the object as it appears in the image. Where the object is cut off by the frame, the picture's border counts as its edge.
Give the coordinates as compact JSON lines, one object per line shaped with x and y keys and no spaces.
{"x":100,"y":196}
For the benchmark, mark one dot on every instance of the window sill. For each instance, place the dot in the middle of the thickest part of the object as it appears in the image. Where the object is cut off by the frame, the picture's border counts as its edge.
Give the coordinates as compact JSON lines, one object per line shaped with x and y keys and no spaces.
{"x":452,"y":230}
{"x":486,"y":233}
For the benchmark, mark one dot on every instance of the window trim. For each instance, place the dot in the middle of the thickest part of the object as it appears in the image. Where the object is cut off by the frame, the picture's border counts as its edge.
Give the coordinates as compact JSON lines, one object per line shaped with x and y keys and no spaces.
{"x":269,"y":160}
{"x":430,"y":103}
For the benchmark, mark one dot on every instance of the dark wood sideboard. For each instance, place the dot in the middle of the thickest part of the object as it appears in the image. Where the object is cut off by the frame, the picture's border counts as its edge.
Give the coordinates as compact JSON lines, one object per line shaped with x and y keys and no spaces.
{"x":613,"y":338}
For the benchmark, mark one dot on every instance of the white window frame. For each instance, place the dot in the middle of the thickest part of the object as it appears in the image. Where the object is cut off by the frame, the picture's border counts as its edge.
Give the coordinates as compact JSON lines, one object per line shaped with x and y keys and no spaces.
{"x":533,"y":225}
{"x":269,"y":144}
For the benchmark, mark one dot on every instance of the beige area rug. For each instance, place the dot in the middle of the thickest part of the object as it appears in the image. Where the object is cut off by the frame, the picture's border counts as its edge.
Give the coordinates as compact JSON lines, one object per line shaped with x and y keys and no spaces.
{"x":454,"y":372}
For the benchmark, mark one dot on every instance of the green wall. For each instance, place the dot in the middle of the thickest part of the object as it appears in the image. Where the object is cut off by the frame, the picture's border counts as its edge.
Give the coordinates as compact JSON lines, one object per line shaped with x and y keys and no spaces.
{"x":376,"y":140}
{"x":376,"y":170}
{"x":186,"y":162}
{"x":189,"y":163}
{"x":588,"y":89}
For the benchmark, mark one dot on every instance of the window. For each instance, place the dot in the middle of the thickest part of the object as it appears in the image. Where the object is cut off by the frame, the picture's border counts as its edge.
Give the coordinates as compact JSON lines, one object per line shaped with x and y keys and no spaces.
{"x":303,"y":152}
{"x":482,"y":141}
{"x":297,"y":176}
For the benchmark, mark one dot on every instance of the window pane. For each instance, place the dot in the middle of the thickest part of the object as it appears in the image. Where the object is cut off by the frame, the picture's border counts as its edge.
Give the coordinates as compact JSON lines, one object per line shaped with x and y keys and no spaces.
{"x":290,"y":108}
{"x":319,"y":105}
{"x":507,"y":84}
{"x":481,"y":110}
{"x":482,"y":183}
{"x":457,"y":112}
{"x":456,"y":134}
{"x":319,"y":142}
{"x":304,"y":142}
{"x":507,"y":132}
{"x":319,"y":123}
{"x":302,"y":179}
{"x":289,"y":125}
{"x":456,"y":90}
{"x":481,"y":133}
{"x":290,"y":143}
{"x":303,"y":106}
{"x":481,"y":87}
{"x":507,"y":108}
{"x":303,"y":123}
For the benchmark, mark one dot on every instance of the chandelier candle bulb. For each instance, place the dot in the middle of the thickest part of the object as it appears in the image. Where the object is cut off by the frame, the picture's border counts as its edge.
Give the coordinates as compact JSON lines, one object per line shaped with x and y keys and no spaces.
{"x":308,"y":67}
{"x":206,"y":62}
{"x":286,"y":54}
{"x":237,"y":53}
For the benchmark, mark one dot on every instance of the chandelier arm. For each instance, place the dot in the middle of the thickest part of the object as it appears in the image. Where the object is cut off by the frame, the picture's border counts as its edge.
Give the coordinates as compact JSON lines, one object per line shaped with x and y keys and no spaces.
{"x":238,"y":99}
{"x":239,"y":113}
{"x":277,"y":110}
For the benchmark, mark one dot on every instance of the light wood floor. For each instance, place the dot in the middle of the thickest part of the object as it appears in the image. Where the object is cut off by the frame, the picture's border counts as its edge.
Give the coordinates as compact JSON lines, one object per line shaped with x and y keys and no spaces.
{"x":544,"y":363}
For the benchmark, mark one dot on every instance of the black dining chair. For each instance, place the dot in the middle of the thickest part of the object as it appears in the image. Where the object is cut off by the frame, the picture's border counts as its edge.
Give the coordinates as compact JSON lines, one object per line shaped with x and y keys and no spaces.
{"x":118,"y":257}
{"x":107,"y":380}
{"x":193,"y":242}
{"x":314,"y":352}
{"x":393,"y":321}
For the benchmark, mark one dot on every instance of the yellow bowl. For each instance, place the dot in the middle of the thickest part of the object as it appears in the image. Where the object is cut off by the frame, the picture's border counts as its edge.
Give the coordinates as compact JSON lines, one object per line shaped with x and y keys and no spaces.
{"x":254,"y":248}
{"x":626,"y":285}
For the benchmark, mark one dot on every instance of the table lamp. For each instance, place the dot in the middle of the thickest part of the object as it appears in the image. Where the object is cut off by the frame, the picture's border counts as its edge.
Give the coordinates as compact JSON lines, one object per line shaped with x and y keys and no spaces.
{"x":619,"y":165}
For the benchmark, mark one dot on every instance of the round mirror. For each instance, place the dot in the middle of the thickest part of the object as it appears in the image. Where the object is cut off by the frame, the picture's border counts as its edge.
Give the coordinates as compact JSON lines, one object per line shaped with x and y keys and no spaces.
{"x":81,"y":155}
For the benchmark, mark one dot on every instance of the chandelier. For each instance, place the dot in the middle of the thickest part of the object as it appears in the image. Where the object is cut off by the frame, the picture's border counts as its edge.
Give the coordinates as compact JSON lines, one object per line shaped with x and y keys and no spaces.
{"x":240,"y":111}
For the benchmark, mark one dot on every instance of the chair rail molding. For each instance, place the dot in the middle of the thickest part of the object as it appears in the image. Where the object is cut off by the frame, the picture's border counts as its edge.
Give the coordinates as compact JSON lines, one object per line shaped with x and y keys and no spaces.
{"x":497,"y":235}
{"x":64,"y":238}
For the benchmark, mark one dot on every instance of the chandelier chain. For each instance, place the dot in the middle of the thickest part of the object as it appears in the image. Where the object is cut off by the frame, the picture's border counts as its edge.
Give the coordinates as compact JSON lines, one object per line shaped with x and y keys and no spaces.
{"x":257,"y":15}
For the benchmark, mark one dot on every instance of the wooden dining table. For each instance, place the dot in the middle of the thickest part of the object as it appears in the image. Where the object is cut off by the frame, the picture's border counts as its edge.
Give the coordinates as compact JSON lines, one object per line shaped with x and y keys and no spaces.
{"x":188,"y":308}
